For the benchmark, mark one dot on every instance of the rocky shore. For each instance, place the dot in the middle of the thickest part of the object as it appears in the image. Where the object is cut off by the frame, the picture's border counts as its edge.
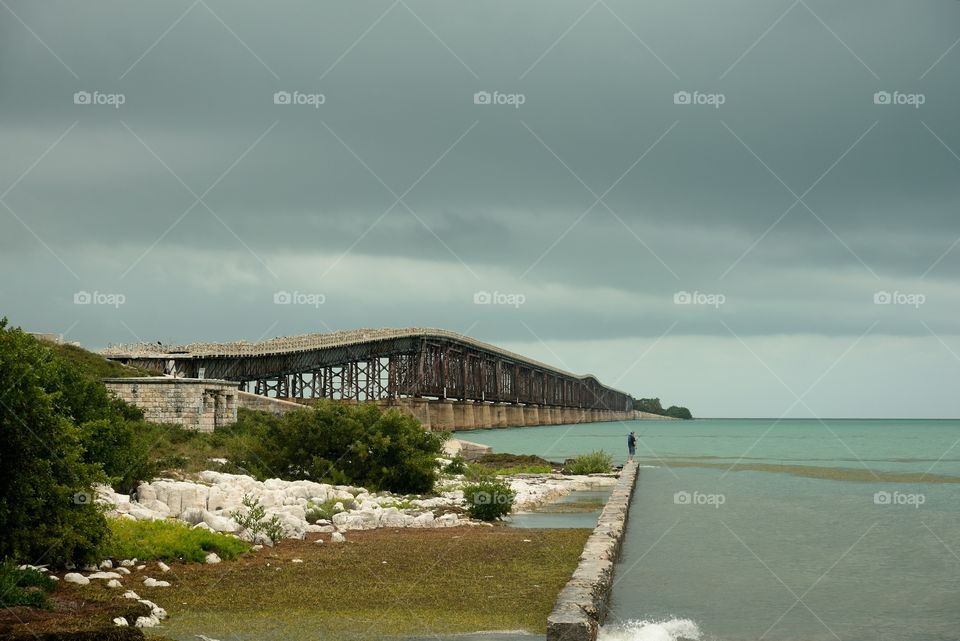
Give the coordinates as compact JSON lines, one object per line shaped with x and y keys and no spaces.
{"x":210,"y":501}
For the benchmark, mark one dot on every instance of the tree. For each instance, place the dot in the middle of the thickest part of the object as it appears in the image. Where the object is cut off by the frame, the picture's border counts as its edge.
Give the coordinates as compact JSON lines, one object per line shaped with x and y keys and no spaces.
{"x":47,"y":511}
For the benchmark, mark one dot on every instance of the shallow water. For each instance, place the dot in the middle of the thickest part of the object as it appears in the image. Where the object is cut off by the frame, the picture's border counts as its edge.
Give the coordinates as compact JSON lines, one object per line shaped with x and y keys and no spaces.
{"x":570,"y":511}
{"x":789,"y":531}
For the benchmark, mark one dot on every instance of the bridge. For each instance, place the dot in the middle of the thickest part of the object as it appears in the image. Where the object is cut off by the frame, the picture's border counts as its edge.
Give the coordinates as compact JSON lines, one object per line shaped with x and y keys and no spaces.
{"x":415,"y":369}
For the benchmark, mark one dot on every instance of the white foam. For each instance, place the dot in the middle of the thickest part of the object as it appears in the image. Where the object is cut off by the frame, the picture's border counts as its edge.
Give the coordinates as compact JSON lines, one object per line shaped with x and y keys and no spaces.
{"x":643,"y":630}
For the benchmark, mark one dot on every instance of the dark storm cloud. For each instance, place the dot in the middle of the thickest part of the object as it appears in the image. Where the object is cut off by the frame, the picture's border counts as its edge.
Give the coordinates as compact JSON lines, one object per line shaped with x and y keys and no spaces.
{"x":493,"y":197}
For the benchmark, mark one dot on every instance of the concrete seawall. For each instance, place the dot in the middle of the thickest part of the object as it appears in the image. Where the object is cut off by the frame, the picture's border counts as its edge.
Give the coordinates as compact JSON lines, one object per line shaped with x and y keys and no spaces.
{"x":582,"y":604}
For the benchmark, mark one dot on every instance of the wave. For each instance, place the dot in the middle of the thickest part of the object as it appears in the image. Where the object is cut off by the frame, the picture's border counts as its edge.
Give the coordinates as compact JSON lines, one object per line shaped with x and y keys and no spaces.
{"x":643,"y":630}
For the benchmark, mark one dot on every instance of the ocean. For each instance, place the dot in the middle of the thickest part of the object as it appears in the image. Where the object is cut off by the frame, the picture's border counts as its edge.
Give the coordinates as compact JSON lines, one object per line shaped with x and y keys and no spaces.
{"x":792,"y":530}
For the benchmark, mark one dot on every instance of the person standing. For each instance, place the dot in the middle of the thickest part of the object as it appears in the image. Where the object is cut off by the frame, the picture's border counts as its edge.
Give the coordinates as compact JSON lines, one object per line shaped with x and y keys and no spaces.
{"x":631,"y":446}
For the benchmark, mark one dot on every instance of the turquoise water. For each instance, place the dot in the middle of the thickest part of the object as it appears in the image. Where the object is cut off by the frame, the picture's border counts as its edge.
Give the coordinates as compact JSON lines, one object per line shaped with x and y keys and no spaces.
{"x":846,"y":530}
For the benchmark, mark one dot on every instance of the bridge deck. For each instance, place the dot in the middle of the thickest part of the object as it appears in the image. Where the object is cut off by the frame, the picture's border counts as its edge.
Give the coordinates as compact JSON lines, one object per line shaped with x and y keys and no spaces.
{"x":367,"y":364}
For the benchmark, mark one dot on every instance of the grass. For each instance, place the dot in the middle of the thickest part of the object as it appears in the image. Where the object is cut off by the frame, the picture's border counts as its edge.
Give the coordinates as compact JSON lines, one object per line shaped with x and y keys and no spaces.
{"x":24,"y":587}
{"x":379,"y":583}
{"x":508,"y":464}
{"x":168,"y":540}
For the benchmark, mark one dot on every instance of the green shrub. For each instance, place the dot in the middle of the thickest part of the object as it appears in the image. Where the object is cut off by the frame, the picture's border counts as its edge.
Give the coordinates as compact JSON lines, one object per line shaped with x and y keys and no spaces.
{"x":488,"y":500}
{"x":341,"y":443}
{"x":168,"y":540}
{"x":323,"y":510}
{"x":46,"y":510}
{"x":593,"y":463}
{"x":252,"y":518}
{"x":457,"y":465}
{"x":24,"y":587}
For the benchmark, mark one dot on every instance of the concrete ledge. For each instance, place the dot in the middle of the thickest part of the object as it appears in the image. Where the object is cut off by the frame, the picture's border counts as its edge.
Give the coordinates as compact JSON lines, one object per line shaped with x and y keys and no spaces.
{"x":582,"y":604}
{"x":275,"y":406}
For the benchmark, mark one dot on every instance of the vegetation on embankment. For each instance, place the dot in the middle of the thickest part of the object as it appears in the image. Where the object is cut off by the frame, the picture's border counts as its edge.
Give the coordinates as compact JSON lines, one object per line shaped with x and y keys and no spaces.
{"x":379,"y":583}
{"x":168,"y":541}
{"x":94,"y":365}
{"x":62,"y":432}
{"x":653,"y":406}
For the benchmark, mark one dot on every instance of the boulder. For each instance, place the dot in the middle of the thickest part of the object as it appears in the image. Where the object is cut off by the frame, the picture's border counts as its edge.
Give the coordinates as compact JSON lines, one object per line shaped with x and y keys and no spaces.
{"x":76,"y":577}
{"x":120,"y":622}
{"x":113,"y":583}
{"x":211,"y":558}
{"x":154,"y":583}
{"x":337,"y":537}
{"x":104,"y":575}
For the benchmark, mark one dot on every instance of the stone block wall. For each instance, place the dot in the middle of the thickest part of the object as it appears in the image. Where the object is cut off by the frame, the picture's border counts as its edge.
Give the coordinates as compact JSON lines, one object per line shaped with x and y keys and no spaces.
{"x":197,"y":404}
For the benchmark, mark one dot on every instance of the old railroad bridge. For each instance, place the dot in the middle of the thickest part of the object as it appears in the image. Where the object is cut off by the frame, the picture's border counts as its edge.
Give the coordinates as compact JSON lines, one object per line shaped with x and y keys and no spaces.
{"x":445,"y":379}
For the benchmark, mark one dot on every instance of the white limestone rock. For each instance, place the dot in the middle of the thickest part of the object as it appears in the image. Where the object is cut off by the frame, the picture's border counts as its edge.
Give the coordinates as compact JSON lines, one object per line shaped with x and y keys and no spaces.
{"x":104,"y":575}
{"x":76,"y":577}
{"x":147,"y":622}
{"x":337,"y":537}
{"x":211,"y":558}
{"x":120,"y":622}
{"x":154,"y":583}
{"x":113,"y":583}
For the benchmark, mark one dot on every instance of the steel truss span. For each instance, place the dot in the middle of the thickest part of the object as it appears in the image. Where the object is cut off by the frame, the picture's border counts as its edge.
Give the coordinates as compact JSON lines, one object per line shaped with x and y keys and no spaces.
{"x":376,"y":364}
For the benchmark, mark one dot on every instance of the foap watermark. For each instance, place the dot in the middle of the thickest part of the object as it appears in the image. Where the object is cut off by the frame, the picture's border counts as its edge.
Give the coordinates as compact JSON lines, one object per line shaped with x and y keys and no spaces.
{"x":899,"y":498}
{"x":699,"y":298}
{"x":84,"y":297}
{"x":299,"y":98}
{"x":492,"y":498}
{"x":699,"y":498}
{"x":284,"y":297}
{"x":899,"y":98}
{"x":498,"y":298}
{"x":83,"y":498}
{"x":99,"y":98}
{"x":496,"y":98}
{"x":899,"y":298}
{"x":699,"y":98}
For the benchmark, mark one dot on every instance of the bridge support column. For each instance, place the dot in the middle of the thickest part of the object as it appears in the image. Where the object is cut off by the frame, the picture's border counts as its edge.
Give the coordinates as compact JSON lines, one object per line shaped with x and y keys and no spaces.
{"x":531,"y":415}
{"x":556,"y":416}
{"x":514,"y":415}
{"x":482,"y":415}
{"x":441,"y":414}
{"x":463,"y":415}
{"x":498,"y":413}
{"x":419,"y":408}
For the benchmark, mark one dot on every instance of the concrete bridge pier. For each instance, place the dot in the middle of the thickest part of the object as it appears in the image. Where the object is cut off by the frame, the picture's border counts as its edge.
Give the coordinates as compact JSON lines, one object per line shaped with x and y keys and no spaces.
{"x":463,"y":415}
{"x":419,"y":408}
{"x":442,"y":415}
{"x":515,"y":415}
{"x":531,"y":415}
{"x":499,"y":415}
{"x":483,"y":417}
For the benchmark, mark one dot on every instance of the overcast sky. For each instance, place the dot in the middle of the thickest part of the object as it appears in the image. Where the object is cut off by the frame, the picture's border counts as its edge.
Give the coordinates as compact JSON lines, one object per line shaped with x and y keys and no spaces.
{"x":149,"y":160}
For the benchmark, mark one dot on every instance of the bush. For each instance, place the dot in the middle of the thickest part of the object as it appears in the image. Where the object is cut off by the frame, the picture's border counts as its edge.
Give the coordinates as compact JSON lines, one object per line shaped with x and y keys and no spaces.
{"x":252,"y":518}
{"x":46,"y":480}
{"x":24,"y":587}
{"x":324,"y":510}
{"x":345,"y":444}
{"x":593,"y":463}
{"x":168,"y":540}
{"x":457,"y":465}
{"x":488,"y":500}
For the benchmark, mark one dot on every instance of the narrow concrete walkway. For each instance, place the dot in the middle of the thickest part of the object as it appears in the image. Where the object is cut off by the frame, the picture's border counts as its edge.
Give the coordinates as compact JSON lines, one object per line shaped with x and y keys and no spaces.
{"x":582,"y":604}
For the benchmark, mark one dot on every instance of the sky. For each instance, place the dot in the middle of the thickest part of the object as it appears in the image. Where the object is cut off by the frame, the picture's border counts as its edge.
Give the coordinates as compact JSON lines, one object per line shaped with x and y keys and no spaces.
{"x":750,"y":209}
